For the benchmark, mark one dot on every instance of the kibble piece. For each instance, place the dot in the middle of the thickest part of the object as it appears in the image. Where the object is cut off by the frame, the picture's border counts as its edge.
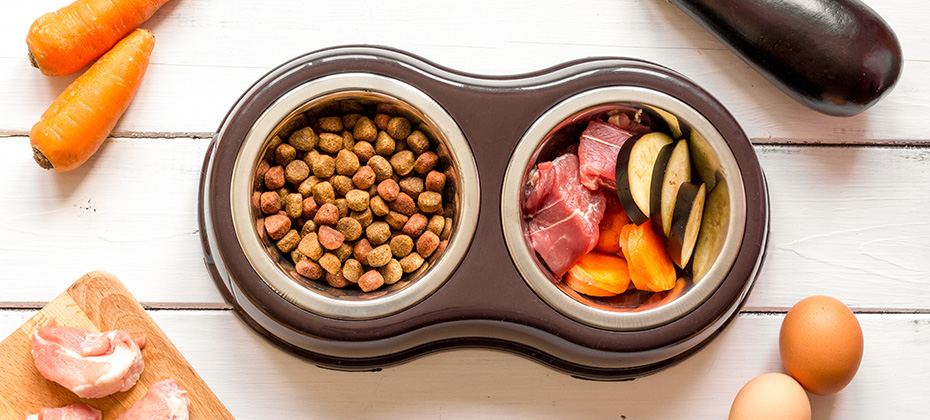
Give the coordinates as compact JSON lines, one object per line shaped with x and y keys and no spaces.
{"x":296,"y":171}
{"x":277,"y":225}
{"x":324,"y":166}
{"x":415,"y":225}
{"x":336,"y":279}
{"x":418,"y":142}
{"x":327,"y":214}
{"x":365,"y":130}
{"x":309,"y":269}
{"x":379,"y":256}
{"x":427,"y":243}
{"x":401,"y":145}
{"x":413,"y":186}
{"x":283,"y":192}
{"x":346,"y":163}
{"x":330,"y":143}
{"x":388,"y":190}
{"x":405,"y":204}
{"x":342,"y":184}
{"x":296,"y":256}
{"x":304,"y":139}
{"x":402,"y":162}
{"x":446,"y":229}
{"x":364,"y":217}
{"x":348,"y":140}
{"x":352,"y":270}
{"x":270,"y":202}
{"x":395,"y":220}
{"x":289,"y":241}
{"x":308,"y":208}
{"x":284,"y":154}
{"x":378,"y":233}
{"x":274,"y":178}
{"x":360,"y":251}
{"x":294,"y":205}
{"x":349,"y":120}
{"x":272,"y":146}
{"x":330,"y":238}
{"x":371,"y":280}
{"x":381,"y":166}
{"x":364,"y":178}
{"x":381,"y":120}
{"x":436,"y":224}
{"x":411,"y":262}
{"x":435,"y":181}
{"x":398,"y":127}
{"x":330,"y":262}
{"x":306,"y":187}
{"x":343,"y":206}
{"x":364,"y":150}
{"x":343,"y":252}
{"x":392,"y":272}
{"x":331,"y":124}
{"x":378,"y":206}
{"x":310,"y":246}
{"x":401,"y":246}
{"x":425,"y":162}
{"x":350,"y":228}
{"x":309,"y":227}
{"x":430,"y":202}
{"x":357,"y":200}
{"x":323,"y":193}
{"x":384,"y":144}
{"x":311,"y":157}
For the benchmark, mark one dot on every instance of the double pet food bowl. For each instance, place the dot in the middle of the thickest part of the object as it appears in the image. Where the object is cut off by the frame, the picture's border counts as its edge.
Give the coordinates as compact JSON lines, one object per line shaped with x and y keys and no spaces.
{"x":487,"y":289}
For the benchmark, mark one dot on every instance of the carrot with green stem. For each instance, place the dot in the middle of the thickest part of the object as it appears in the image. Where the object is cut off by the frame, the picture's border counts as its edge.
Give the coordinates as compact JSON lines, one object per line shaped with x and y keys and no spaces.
{"x":78,"y":122}
{"x":64,"y":41}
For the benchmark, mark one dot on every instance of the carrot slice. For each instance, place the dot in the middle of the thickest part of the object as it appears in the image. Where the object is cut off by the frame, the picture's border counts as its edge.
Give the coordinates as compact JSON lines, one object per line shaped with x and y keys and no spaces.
{"x":604,"y":271}
{"x":64,"y":41}
{"x":609,"y":239}
{"x":78,"y":122}
{"x":585,"y":286}
{"x":650,"y":266}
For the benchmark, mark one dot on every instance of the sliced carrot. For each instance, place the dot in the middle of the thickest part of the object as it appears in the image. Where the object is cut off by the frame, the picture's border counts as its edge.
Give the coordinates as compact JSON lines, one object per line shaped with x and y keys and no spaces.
{"x":650,"y":266}
{"x":64,"y":41}
{"x":605,"y":271}
{"x":585,"y":286}
{"x":663,"y":298}
{"x":609,"y":236}
{"x":78,"y":122}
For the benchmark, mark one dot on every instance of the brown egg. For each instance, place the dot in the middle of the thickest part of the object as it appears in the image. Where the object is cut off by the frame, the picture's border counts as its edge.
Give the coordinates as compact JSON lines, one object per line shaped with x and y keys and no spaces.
{"x":821,"y":344}
{"x":772,"y":396}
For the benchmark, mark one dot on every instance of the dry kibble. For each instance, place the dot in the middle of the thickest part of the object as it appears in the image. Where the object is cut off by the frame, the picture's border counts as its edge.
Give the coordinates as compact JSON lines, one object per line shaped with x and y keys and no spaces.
{"x":378,"y":206}
{"x":309,"y":227}
{"x":371,"y":280}
{"x":297,"y":257}
{"x":402,"y":162}
{"x":384,"y":144}
{"x":330,"y":143}
{"x":306,"y":187}
{"x":309,"y":269}
{"x":331,"y":124}
{"x":330,"y":262}
{"x":427,"y":243}
{"x":381,"y":166}
{"x":401,"y":245}
{"x":304,"y":139}
{"x":360,"y":251}
{"x":398,"y":127}
{"x":388,"y":189}
{"x":342,"y":184}
{"x":308,"y":208}
{"x":294,"y":205}
{"x":364,"y":217}
{"x":296,"y":171}
{"x":270,"y":202}
{"x":417,"y":142}
{"x":411,"y":262}
{"x":425,"y":162}
{"x":364,"y":150}
{"x":364,"y":178}
{"x":352,"y":270}
{"x":283,"y":192}
{"x":330,"y":238}
{"x":379,"y":256}
{"x":415,"y":225}
{"x":324,"y":166}
{"x":343,"y":206}
{"x":436,"y":224}
{"x":310,"y":246}
{"x":274,"y":178}
{"x":378,"y":233}
{"x":289,"y":241}
{"x":336,"y":279}
{"x":348,"y":140}
{"x":435,"y":181}
{"x":343,"y":252}
{"x":430,"y":202}
{"x":381,"y":120}
{"x":350,"y":228}
{"x":357,"y":200}
{"x":277,"y":225}
{"x":311,"y":157}
{"x":405,"y":204}
{"x":395,"y":220}
{"x":323,"y":193}
{"x":284,"y":154}
{"x":346,"y":163}
{"x":446,"y":229}
{"x":272,"y":146}
{"x":412,"y":185}
{"x":349,"y":120}
{"x":327,"y":214}
{"x":392,"y":272}
{"x":365,"y":130}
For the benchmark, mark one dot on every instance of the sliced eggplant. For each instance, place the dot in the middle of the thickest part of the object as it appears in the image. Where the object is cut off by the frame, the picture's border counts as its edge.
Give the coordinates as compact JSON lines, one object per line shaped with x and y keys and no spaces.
{"x":686,"y":223}
{"x":672,"y":168}
{"x":714,"y":227}
{"x":635,"y":163}
{"x":675,"y":129}
{"x":705,"y":160}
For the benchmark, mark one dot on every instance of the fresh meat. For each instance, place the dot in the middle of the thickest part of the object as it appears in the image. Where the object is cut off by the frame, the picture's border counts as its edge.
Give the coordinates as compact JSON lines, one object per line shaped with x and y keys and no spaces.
{"x":564,"y":215}
{"x":597,"y":154}
{"x":631,"y":120}
{"x":70,"y":412}
{"x":90,"y":364}
{"x":165,"y":400}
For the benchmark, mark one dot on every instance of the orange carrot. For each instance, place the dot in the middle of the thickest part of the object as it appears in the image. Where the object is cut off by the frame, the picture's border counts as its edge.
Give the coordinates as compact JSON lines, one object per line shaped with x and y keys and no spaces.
{"x":597,"y":274}
{"x":651,"y":267}
{"x":64,"y":41}
{"x":609,"y":239}
{"x":78,"y":122}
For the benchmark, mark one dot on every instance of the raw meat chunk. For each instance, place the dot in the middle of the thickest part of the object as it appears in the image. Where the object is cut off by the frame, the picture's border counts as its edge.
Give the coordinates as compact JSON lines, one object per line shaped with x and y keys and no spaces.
{"x":165,"y":400}
{"x":69,"y":412}
{"x":597,"y":154}
{"x":90,"y":364}
{"x":564,"y":214}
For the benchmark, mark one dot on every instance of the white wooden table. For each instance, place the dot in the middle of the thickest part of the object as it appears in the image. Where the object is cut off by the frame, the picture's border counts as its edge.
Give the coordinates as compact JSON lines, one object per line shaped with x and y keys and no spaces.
{"x":850,"y":206}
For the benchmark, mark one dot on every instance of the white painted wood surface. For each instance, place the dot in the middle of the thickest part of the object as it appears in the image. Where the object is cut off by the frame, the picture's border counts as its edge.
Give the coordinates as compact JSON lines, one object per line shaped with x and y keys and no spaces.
{"x":847,"y":221}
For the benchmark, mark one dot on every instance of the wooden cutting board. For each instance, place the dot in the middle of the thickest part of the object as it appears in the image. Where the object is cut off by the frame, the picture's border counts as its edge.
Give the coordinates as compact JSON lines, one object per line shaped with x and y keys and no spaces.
{"x":100,"y":302}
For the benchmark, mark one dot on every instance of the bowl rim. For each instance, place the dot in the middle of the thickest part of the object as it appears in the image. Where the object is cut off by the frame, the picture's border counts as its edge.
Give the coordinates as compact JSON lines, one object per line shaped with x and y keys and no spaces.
{"x":244,"y":222}
{"x":524,"y":159}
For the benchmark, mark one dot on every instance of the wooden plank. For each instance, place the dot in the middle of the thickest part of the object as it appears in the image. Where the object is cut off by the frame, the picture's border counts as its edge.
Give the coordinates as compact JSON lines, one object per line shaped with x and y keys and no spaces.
{"x":850,"y":222}
{"x":255,"y":379}
{"x":99,"y":302}
{"x":191,"y":85}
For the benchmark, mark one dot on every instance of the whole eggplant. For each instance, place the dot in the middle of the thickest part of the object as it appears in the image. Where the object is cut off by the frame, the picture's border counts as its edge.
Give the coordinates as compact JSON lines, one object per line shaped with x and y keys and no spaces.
{"x":835,"y":56}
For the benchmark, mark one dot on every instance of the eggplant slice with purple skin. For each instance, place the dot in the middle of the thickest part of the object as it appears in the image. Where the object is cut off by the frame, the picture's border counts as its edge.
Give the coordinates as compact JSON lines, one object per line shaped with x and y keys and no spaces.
{"x":672,"y":168}
{"x":635,"y":163}
{"x":714,"y":225}
{"x":686,"y":224}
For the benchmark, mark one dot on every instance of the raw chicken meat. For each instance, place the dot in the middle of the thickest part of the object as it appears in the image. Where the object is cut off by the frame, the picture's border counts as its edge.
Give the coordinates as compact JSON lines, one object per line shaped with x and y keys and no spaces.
{"x":90,"y":364}
{"x":165,"y":400}
{"x":70,"y":412}
{"x":564,"y":214}
{"x":597,"y":154}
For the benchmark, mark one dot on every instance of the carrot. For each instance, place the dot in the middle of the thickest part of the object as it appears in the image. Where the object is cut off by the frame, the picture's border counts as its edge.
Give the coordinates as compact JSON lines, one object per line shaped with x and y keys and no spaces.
{"x":651,"y":267}
{"x":597,"y":274}
{"x":609,"y":236}
{"x":79,"y":120}
{"x":64,"y":41}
